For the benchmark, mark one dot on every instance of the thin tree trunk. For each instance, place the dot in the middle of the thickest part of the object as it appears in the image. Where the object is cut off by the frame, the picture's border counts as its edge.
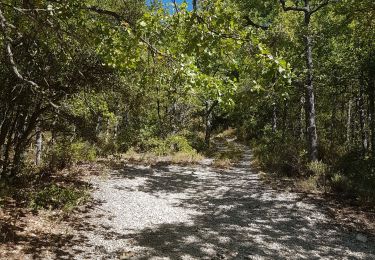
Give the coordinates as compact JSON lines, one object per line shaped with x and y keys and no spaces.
{"x":285,"y":120}
{"x":107,"y":130}
{"x":53,"y":131}
{"x":312,"y":136}
{"x":208,"y":126}
{"x":349,"y":123}
{"x":274,"y":118}
{"x":99,"y":125}
{"x":362,"y":118}
{"x":38,"y":145}
{"x":333,"y":124}
{"x":195,"y":5}
{"x":302,"y":120}
{"x":209,"y":119}
{"x":115,"y":129}
{"x":372,"y":115}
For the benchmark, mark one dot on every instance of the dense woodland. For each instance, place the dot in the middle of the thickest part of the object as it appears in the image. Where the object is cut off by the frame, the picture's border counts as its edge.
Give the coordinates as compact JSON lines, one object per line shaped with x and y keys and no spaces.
{"x":82,"y":79}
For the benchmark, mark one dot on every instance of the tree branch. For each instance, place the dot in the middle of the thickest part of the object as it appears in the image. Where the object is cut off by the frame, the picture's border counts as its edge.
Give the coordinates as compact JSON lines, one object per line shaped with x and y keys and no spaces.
{"x":120,"y":18}
{"x":326,"y":2}
{"x":27,"y":9}
{"x":250,"y":22}
{"x":292,"y":8}
{"x":175,"y":7}
{"x":8,"y":48}
{"x":113,"y":14}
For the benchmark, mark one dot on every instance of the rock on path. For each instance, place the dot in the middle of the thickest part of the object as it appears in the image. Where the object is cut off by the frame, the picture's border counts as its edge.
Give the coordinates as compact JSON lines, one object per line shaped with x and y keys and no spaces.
{"x":176,"y":212}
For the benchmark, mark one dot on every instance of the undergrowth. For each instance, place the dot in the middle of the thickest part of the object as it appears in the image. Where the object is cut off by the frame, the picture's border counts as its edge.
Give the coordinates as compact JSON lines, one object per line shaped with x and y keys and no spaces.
{"x":174,"y":148}
{"x":345,"y":173}
{"x":54,"y":197}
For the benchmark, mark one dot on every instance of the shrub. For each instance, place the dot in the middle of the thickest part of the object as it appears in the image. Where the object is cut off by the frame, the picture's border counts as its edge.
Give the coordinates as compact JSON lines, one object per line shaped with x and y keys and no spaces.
{"x":318,"y":171}
{"x":171,"y":145}
{"x":316,"y":178}
{"x":175,"y":148}
{"x":197,"y":141}
{"x":66,"y":154}
{"x":228,"y":133}
{"x":340,"y":183}
{"x":281,"y":154}
{"x":356,"y":175}
{"x":56,"y":197}
{"x":178,"y":143}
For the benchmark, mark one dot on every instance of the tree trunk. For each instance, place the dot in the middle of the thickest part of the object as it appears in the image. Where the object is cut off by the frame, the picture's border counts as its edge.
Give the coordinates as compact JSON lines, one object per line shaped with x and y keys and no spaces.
{"x":285,"y":121}
{"x":274,"y":118}
{"x":209,"y":119}
{"x":107,"y":130}
{"x":312,"y":137}
{"x":38,"y":145}
{"x":362,"y":118}
{"x":208,"y":127}
{"x":115,"y":129}
{"x":333,"y":124}
{"x":99,"y":125}
{"x":349,"y":123}
{"x":371,"y":97}
{"x":195,"y":5}
{"x":302,"y":120}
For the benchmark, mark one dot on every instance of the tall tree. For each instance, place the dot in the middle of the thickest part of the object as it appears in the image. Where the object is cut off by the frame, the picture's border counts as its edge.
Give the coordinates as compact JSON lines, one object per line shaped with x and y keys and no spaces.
{"x":308,"y":10}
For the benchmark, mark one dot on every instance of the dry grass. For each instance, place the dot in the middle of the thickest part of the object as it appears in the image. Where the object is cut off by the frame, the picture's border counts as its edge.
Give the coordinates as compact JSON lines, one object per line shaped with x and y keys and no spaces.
{"x":186,"y":158}
{"x":232,"y":153}
{"x":227,"y":134}
{"x":222,"y":163}
{"x":307,"y":185}
{"x":151,"y":158}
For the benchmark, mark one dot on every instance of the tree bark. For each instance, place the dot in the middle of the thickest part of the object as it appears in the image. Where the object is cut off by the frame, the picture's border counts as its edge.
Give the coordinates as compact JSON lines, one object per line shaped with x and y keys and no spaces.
{"x":274,"y":118}
{"x":38,"y":145}
{"x":195,"y":5}
{"x":99,"y":125}
{"x":302,"y":120}
{"x":312,"y":136}
{"x":349,"y":123}
{"x":207,"y":137}
{"x":371,"y":96}
{"x":209,"y":119}
{"x":362,"y":118}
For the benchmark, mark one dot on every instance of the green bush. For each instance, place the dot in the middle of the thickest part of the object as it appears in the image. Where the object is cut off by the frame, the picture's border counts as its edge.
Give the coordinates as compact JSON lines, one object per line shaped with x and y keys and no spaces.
{"x":56,"y":197}
{"x":196,"y":139}
{"x":356,"y":175}
{"x":107,"y":147}
{"x":178,"y":143}
{"x":66,"y":154}
{"x":318,"y":174}
{"x":340,"y":183}
{"x":171,"y":145}
{"x":281,"y":154}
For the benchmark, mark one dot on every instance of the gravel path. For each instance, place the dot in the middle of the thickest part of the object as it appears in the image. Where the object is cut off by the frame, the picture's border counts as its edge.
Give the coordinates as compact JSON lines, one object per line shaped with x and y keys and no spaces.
{"x":176,"y":212}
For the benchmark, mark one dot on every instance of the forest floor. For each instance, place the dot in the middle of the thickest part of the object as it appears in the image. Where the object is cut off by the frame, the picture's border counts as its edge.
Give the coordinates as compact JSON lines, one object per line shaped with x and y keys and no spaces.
{"x":198,"y":212}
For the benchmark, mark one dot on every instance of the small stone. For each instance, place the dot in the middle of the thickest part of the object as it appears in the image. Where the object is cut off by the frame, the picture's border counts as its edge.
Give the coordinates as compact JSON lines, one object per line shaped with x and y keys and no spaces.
{"x":361,"y":238}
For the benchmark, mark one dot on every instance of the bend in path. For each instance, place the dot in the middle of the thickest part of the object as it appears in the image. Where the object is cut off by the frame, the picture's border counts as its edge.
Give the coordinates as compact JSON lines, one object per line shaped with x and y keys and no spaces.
{"x":176,"y":212}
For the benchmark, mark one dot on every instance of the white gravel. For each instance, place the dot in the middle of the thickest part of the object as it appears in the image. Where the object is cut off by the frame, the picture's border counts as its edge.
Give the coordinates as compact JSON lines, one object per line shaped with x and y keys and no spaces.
{"x":175,"y":212}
